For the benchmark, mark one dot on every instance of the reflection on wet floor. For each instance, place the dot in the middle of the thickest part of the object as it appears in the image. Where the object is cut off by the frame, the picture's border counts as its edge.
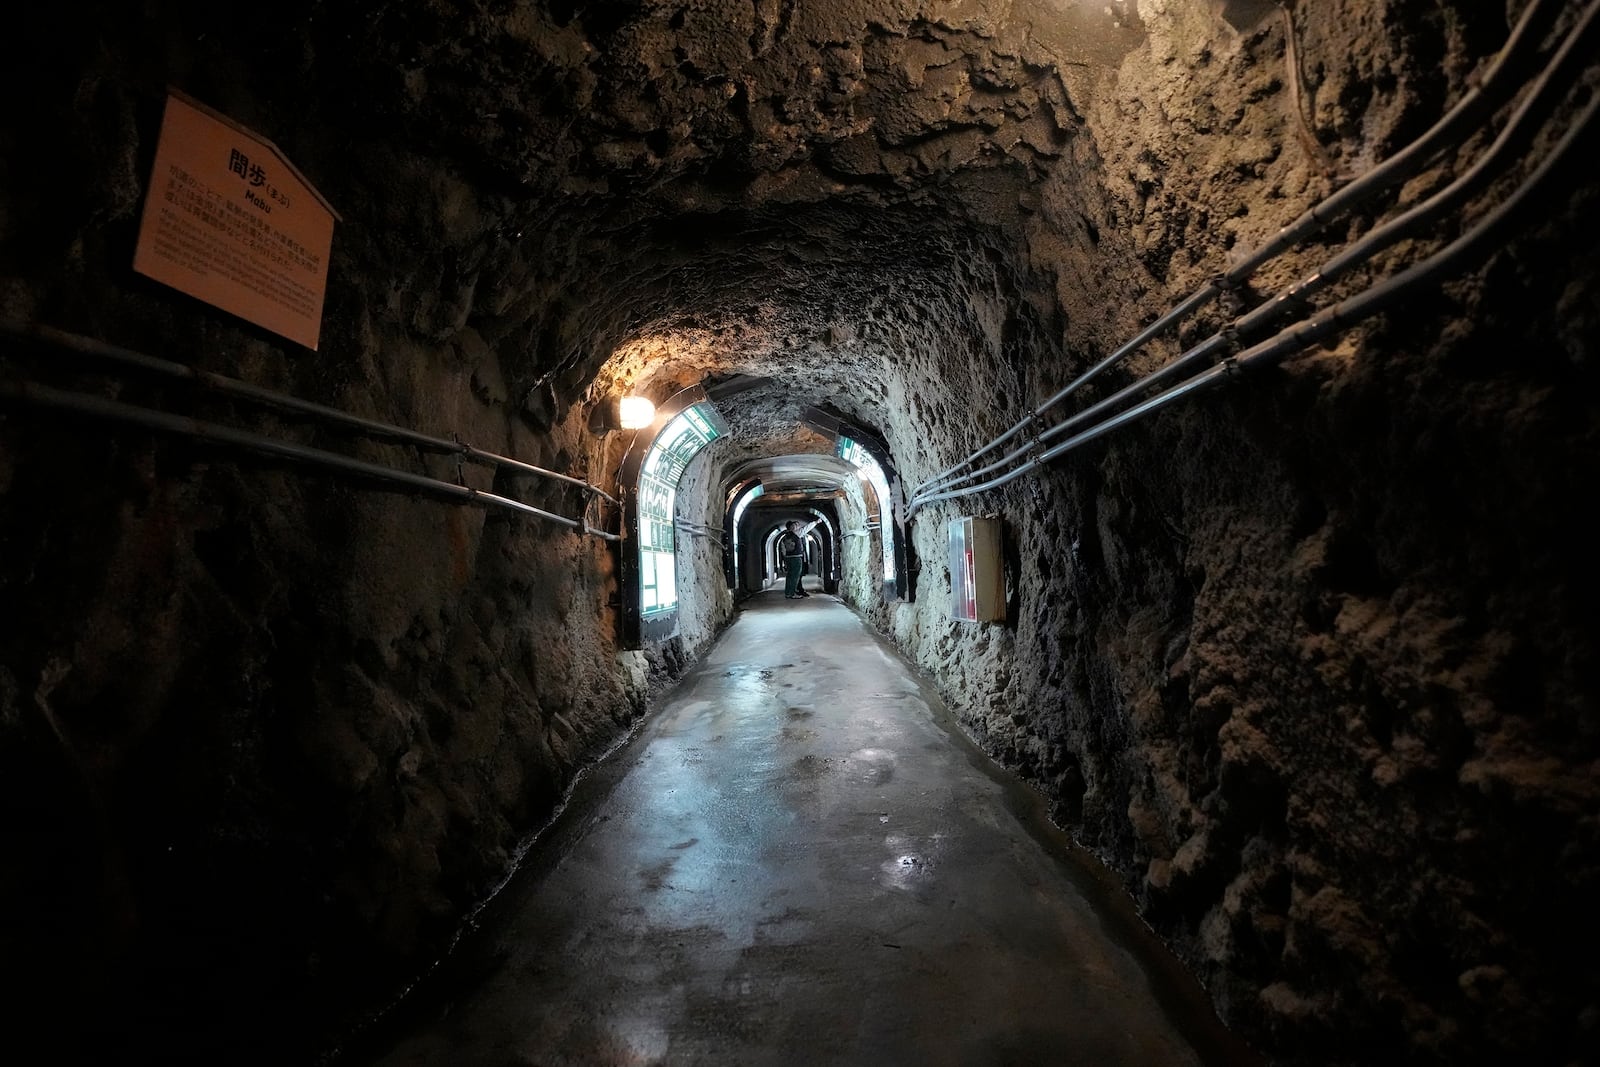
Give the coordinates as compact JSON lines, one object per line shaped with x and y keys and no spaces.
{"x":799,"y":861}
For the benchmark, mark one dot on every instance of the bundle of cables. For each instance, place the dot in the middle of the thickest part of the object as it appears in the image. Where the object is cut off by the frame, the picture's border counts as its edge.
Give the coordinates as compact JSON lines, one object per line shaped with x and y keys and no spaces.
{"x":1223,"y":353}
{"x":80,"y":403}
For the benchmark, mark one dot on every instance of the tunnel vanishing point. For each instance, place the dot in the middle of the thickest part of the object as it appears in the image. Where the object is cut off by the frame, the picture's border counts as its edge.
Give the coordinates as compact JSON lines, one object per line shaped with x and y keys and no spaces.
{"x":1264,"y":333}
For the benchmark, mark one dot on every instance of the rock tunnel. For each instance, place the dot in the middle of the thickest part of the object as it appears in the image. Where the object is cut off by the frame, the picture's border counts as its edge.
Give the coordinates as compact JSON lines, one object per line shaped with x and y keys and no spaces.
{"x":1303,"y":658}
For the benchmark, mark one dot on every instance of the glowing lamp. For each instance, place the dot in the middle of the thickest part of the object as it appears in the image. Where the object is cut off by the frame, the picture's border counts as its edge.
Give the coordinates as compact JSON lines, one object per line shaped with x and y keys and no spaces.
{"x":635,"y":412}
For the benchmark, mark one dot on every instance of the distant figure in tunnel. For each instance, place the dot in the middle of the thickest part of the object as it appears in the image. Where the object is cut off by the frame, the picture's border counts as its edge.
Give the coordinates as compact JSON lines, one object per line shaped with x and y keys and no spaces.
{"x":792,"y":549}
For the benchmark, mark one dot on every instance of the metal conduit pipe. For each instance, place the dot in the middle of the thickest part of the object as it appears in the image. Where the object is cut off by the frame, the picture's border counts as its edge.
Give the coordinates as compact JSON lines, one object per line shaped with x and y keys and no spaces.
{"x":1492,"y":90}
{"x":1376,"y":298}
{"x":1194,"y":302}
{"x":127,"y":357}
{"x":1201,"y":351}
{"x":99,"y":407}
{"x":1516,"y":130}
{"x":1364,"y":249}
{"x":1157,"y":401}
{"x":1303,"y":335}
{"x":699,"y":529}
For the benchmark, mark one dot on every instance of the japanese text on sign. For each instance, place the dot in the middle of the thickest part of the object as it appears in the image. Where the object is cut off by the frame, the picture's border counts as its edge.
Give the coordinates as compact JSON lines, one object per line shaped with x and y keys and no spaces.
{"x":230,"y":221}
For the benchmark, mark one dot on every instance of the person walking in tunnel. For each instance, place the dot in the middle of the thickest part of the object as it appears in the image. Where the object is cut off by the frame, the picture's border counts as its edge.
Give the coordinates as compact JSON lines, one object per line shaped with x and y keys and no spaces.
{"x":792,"y":549}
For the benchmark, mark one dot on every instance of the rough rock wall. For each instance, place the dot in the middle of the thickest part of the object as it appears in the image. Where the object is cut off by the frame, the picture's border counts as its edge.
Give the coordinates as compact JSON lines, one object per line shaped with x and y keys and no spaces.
{"x":705,"y":603}
{"x":860,"y":554}
{"x":1308,"y":661}
{"x":267,"y":735}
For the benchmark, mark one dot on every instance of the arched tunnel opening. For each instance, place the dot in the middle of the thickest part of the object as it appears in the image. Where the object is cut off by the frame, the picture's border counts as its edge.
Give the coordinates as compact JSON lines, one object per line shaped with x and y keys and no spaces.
{"x":1197,"y":399}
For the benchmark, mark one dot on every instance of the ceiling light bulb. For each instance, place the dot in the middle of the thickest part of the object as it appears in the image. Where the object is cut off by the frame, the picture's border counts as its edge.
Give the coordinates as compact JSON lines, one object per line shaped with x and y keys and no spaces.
{"x":636,"y":412}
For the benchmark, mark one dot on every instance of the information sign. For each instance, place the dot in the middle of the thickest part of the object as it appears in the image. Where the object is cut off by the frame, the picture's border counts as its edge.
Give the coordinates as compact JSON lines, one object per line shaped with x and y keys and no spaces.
{"x":229,"y":220}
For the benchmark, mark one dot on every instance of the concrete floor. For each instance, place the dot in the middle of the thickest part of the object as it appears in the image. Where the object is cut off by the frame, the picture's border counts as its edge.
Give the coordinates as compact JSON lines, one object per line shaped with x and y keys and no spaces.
{"x":800,"y":860}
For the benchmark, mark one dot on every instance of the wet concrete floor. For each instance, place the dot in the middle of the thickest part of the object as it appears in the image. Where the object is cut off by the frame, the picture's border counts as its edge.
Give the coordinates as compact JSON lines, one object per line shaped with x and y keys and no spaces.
{"x":801,"y":860}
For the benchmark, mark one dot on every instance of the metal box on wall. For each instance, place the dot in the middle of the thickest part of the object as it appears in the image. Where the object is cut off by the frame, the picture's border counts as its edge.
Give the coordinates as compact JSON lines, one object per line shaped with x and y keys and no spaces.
{"x":977,"y":571}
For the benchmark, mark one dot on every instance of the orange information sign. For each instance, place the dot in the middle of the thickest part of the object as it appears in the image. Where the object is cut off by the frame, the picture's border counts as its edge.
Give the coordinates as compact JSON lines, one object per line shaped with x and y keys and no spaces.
{"x":229,"y":220}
